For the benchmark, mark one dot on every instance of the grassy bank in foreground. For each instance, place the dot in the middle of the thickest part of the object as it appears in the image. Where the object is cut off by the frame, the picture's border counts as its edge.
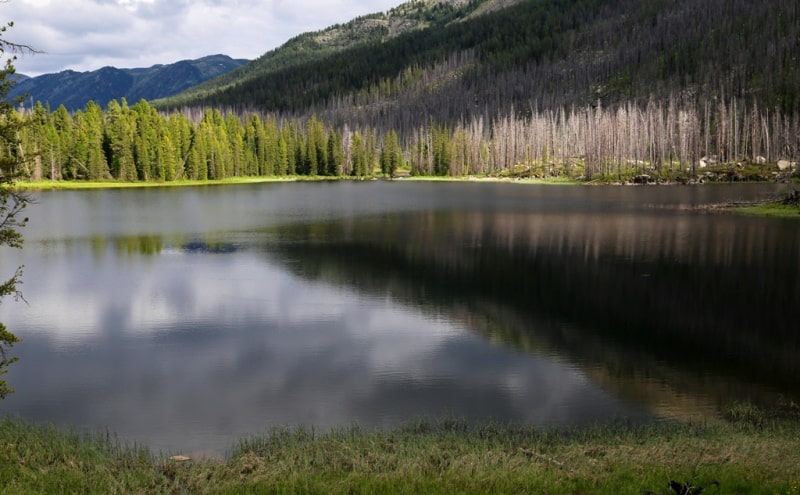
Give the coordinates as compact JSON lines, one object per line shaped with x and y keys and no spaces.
{"x":750,"y":454}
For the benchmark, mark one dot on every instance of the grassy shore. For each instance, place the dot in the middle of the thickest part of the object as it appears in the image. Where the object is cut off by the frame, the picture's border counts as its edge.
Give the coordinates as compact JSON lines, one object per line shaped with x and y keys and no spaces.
{"x":771,"y":210}
{"x":751,"y":453}
{"x":786,"y":207}
{"x":69,"y":185}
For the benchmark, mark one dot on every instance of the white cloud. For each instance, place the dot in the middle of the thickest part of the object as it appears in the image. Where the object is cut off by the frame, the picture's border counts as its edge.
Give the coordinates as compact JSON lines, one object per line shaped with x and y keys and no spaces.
{"x":86,"y":35}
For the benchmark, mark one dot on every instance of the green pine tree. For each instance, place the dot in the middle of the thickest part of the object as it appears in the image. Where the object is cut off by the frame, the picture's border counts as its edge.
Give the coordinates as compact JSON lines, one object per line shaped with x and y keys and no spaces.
{"x":390,"y":154}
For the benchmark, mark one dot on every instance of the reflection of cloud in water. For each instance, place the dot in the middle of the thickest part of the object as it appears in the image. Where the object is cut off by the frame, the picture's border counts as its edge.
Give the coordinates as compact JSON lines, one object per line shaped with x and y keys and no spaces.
{"x":190,"y":352}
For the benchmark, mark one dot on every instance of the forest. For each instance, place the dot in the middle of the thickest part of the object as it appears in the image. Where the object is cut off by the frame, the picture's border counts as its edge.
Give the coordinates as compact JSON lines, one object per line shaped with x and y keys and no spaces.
{"x":139,"y":143}
{"x":577,"y":88}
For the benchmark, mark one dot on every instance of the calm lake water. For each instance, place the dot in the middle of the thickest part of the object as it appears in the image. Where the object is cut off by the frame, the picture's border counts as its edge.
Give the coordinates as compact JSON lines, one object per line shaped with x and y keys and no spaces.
{"x":187,"y":318}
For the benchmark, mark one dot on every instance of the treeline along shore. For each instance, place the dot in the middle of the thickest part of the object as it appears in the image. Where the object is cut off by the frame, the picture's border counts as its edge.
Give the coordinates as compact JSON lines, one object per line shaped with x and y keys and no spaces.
{"x":730,"y":140}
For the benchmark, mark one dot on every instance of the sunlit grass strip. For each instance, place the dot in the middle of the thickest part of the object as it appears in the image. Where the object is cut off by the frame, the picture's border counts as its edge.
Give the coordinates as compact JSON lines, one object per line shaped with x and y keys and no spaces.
{"x":489,"y":178}
{"x":752,"y":455}
{"x":75,"y":185}
{"x":69,"y":185}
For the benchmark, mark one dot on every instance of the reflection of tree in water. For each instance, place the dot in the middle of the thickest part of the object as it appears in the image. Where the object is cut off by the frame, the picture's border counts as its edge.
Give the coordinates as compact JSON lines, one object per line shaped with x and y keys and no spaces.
{"x":152,"y":245}
{"x":198,"y":246}
{"x":699,"y":304}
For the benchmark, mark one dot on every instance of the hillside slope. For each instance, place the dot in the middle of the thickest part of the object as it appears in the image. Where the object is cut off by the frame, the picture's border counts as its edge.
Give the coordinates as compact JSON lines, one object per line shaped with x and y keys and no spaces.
{"x":363,"y":32}
{"x":75,"y":89}
{"x":485,"y":59}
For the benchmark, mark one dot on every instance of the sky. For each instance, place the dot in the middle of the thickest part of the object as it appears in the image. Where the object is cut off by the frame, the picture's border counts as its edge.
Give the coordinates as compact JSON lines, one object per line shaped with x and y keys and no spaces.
{"x":85,"y":35}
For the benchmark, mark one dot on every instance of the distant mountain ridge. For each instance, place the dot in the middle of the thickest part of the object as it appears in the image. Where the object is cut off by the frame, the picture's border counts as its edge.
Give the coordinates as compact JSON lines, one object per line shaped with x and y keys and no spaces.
{"x":74,"y":89}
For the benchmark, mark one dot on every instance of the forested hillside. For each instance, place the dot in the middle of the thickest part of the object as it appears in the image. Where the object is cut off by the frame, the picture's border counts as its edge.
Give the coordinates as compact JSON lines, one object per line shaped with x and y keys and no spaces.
{"x":75,"y":89}
{"x":366,"y":32}
{"x":542,"y":54}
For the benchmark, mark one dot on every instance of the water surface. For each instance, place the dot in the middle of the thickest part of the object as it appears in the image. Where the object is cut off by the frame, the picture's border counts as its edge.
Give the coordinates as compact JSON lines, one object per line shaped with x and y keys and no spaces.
{"x":187,"y":318}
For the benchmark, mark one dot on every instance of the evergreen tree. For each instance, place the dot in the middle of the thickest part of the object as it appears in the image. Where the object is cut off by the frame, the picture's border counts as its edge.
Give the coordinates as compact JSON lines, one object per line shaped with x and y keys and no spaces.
{"x":316,"y":147}
{"x":269,"y":139}
{"x":334,"y":154}
{"x":196,"y":163}
{"x":390,"y":154}
{"x":359,"y":155}
{"x":32,"y":138}
{"x":119,"y":138}
{"x":61,"y":143}
{"x":286,"y":160}
{"x":300,"y":152}
{"x":234,"y":165}
{"x":371,"y":154}
{"x":442,"y":150}
{"x":52,"y":150}
{"x":168,"y":157}
{"x":251,"y":139}
{"x":88,"y":156}
{"x":179,"y":130}
{"x":96,"y":164}
{"x":146,"y":143}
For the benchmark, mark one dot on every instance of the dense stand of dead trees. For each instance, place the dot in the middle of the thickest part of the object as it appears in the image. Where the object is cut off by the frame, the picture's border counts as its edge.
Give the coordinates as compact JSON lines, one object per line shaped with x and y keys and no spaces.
{"x":655,"y":138}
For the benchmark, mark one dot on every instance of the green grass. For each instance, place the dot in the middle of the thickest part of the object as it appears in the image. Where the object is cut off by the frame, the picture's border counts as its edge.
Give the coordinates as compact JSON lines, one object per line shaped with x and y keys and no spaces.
{"x":771,"y":210}
{"x":558,"y":180}
{"x":47,"y":185}
{"x":752,"y":453}
{"x":73,"y":185}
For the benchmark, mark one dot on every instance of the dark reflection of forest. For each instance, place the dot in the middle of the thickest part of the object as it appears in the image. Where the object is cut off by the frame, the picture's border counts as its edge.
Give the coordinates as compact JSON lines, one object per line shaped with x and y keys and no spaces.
{"x":681,"y":312}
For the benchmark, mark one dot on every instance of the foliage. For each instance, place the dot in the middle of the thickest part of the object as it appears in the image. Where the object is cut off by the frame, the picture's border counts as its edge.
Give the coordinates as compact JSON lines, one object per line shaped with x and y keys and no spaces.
{"x":11,"y":202}
{"x":11,"y":205}
{"x":391,"y":156}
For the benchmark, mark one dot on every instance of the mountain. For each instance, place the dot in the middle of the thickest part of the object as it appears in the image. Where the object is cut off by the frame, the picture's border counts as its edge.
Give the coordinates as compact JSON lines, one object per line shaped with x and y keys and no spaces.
{"x":454,"y":59}
{"x":365,"y":32}
{"x":75,"y":89}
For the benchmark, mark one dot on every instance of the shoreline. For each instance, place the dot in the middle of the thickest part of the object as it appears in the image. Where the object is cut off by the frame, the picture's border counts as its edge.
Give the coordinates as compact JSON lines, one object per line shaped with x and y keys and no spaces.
{"x":557,"y":180}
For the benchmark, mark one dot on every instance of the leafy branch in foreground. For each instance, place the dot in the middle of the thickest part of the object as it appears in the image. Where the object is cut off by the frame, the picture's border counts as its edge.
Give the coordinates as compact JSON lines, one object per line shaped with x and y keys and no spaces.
{"x":11,"y":205}
{"x":12,"y":202}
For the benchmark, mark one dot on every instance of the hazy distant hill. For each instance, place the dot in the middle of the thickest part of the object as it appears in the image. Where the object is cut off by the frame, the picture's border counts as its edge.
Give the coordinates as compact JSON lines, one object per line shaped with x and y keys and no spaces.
{"x":75,"y":89}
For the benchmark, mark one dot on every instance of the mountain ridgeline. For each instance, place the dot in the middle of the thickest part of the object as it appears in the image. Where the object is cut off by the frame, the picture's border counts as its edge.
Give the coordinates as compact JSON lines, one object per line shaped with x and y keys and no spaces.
{"x":75,"y":89}
{"x":465,"y":59}
{"x":367,"y":32}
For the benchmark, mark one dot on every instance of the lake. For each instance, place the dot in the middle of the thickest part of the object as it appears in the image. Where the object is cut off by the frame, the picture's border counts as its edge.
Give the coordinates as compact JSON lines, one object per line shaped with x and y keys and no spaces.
{"x":186,"y":318}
